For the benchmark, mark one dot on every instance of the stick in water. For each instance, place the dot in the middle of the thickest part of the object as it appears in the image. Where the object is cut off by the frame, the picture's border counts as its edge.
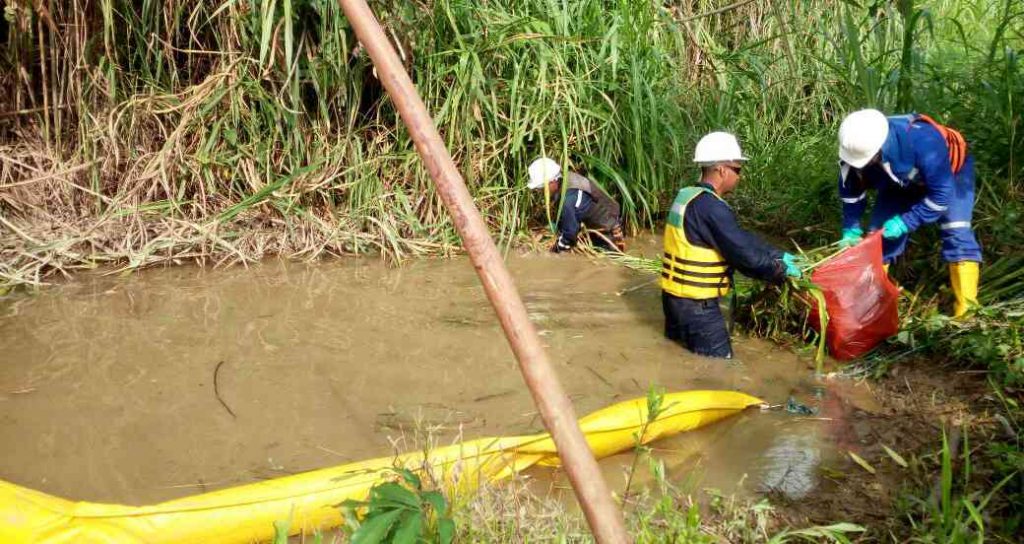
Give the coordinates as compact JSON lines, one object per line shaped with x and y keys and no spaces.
{"x":216,"y":390}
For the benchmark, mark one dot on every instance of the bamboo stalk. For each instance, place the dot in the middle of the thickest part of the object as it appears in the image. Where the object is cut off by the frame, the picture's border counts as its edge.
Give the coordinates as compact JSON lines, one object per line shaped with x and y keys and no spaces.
{"x":556,"y":409}
{"x":47,"y":129}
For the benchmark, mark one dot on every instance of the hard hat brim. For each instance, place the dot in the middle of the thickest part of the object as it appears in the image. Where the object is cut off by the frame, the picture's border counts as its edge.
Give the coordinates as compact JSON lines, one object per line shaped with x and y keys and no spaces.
{"x":538,"y":183}
{"x":856,"y":162}
{"x":708,"y":162}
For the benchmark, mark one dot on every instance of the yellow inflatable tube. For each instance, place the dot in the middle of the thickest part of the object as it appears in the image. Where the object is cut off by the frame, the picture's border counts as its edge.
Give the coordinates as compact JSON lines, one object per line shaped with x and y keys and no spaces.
{"x":246,"y":513}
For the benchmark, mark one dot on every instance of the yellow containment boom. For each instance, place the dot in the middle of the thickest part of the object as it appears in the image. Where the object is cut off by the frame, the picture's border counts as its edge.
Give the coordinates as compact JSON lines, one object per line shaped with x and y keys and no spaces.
{"x":310,"y":500}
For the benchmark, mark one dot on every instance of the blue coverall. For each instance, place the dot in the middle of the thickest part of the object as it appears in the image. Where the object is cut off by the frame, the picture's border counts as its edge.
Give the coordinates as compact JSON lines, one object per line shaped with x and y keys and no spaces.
{"x":915,"y":181}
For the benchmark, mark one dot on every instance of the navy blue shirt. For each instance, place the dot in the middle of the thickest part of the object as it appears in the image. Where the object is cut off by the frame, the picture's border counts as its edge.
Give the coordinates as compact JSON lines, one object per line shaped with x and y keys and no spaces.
{"x":711,"y":223}
{"x":575,"y":210}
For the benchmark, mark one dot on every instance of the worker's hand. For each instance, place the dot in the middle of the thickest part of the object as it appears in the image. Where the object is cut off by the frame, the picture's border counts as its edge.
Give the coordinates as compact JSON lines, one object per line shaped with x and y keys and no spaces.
{"x":792,"y":263}
{"x":851,"y":237}
{"x":618,"y":239}
{"x":894,"y":228}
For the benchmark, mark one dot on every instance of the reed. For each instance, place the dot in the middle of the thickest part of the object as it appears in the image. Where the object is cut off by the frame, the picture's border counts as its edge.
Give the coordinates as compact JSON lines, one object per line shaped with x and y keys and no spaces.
{"x":160,"y":131}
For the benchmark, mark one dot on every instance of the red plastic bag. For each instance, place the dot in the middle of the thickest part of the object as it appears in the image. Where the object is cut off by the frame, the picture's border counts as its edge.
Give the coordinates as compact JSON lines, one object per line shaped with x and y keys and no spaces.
{"x":860,"y":300}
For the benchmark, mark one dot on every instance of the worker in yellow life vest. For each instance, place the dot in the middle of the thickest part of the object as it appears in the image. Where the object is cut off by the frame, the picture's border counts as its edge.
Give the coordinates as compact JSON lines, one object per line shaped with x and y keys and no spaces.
{"x":704,"y":244}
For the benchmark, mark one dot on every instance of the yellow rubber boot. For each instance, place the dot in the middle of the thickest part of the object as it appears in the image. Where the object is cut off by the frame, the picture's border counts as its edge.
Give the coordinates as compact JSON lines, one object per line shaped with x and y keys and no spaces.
{"x":963,"y":278}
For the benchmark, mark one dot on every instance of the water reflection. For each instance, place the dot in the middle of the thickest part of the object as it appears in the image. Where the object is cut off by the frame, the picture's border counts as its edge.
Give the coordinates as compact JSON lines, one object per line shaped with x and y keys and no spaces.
{"x":790,"y":465}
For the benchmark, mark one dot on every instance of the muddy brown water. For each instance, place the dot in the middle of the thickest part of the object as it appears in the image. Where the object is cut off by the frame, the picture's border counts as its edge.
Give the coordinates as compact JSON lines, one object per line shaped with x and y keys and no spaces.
{"x":107,"y":383}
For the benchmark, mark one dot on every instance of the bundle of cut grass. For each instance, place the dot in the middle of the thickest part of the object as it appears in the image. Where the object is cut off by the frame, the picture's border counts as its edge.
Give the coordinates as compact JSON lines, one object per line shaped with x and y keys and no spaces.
{"x":778,"y":312}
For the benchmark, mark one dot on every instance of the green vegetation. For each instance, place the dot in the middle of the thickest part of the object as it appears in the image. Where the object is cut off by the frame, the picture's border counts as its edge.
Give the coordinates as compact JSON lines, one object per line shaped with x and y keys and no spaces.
{"x":400,"y":512}
{"x":954,"y":518}
{"x":185,"y":130}
{"x":655,"y":407}
{"x":662,"y":513}
{"x":166,"y":130}
{"x":665,"y":513}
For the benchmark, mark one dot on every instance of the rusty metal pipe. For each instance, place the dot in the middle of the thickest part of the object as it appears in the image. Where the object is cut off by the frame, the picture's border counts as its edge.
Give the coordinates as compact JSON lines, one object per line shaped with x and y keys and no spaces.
{"x":556,"y":410}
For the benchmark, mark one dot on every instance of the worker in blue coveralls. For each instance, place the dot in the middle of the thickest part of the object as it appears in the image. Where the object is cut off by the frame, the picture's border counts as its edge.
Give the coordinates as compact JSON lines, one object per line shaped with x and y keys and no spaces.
{"x":703,"y":244}
{"x":584,"y":203}
{"x":923,"y":174}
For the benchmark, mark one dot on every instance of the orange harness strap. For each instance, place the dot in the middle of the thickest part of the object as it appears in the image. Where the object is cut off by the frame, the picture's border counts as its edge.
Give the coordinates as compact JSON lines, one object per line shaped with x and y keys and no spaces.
{"x":954,"y":140}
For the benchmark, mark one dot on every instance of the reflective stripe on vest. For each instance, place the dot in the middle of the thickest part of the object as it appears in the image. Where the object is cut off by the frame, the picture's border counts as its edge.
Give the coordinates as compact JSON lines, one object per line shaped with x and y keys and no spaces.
{"x":690,"y":271}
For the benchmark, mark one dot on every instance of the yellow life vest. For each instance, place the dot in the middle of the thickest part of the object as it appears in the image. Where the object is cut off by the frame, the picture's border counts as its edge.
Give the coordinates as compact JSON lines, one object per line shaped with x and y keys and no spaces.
{"x":690,"y":271}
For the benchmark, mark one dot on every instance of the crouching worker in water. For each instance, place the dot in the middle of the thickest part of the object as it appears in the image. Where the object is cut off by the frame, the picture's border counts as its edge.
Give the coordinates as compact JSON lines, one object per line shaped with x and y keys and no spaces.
{"x":584,"y":203}
{"x":703,"y":244}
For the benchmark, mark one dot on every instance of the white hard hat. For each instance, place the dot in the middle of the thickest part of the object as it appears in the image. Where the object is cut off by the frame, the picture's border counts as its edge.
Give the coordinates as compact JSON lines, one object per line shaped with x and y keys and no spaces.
{"x":542,"y":171}
{"x":718,"y":147}
{"x":861,"y":136}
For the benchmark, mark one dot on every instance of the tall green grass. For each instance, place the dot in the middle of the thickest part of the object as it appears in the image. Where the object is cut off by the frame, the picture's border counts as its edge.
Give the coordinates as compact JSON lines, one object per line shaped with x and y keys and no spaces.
{"x":193,"y":125}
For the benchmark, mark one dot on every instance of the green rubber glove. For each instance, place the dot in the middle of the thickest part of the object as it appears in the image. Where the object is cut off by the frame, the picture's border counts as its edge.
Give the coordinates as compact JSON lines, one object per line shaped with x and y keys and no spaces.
{"x":792,"y":265}
{"x":894,"y":228}
{"x":851,"y":237}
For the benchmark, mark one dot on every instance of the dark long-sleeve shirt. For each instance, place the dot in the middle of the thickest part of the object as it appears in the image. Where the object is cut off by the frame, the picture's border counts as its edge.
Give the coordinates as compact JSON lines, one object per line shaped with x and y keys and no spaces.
{"x":711,"y":223}
{"x":575,"y":208}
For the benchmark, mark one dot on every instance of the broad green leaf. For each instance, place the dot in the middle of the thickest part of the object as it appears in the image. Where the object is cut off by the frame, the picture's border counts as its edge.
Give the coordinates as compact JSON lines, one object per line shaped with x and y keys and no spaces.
{"x":395,"y":493}
{"x":410,"y":477}
{"x":375,"y":528}
{"x":437,"y":502}
{"x":409,"y":530}
{"x":446,"y":530}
